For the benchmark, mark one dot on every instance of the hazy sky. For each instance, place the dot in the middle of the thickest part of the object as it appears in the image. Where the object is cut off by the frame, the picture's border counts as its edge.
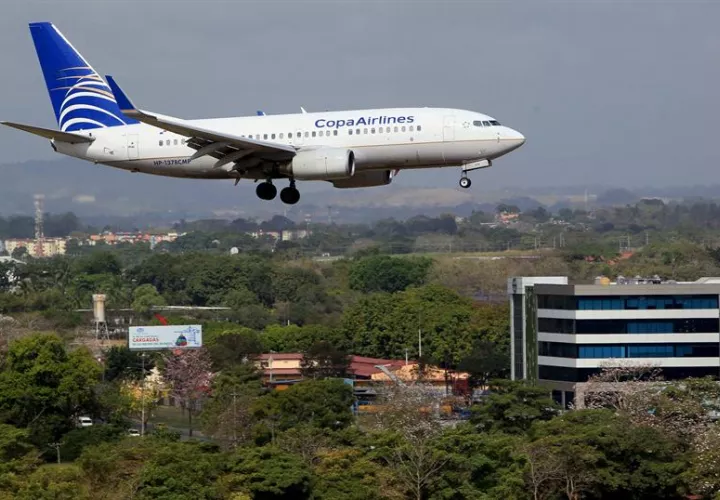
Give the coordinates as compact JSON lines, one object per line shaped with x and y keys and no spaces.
{"x":603,"y":90}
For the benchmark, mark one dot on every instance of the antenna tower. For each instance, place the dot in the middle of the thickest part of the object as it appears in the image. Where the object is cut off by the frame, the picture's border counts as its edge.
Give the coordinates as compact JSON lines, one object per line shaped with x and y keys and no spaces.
{"x":39,"y":214}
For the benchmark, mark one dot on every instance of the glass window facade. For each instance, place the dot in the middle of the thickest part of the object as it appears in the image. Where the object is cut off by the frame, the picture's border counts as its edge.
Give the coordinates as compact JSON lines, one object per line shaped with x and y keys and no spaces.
{"x":631,"y":302}
{"x":560,"y":350}
{"x":640,"y":326}
{"x":550,"y":325}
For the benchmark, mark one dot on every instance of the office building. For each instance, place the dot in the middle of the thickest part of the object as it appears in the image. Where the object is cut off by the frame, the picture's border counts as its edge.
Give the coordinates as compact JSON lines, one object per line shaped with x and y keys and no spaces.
{"x":572,"y":331}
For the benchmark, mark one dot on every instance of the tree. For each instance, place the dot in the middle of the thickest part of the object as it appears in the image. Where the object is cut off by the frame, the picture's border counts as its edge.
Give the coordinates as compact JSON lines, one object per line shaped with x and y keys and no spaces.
{"x":321,"y":403}
{"x":638,"y":392}
{"x":188,"y":373}
{"x":43,"y":387}
{"x":141,"y":399}
{"x":20,"y":253}
{"x":323,"y":360}
{"x":232,"y":348}
{"x":409,"y":412}
{"x":123,"y":364}
{"x":145,"y":297}
{"x":228,"y":413}
{"x":266,"y":472}
{"x":597,"y":451}
{"x":484,"y":363}
{"x":383,"y":273}
{"x":513,"y":407}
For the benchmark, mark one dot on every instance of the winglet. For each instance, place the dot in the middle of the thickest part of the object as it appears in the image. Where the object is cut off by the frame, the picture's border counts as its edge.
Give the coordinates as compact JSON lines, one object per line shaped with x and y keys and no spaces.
{"x":303,"y":110}
{"x":123,"y":101}
{"x":260,"y":113}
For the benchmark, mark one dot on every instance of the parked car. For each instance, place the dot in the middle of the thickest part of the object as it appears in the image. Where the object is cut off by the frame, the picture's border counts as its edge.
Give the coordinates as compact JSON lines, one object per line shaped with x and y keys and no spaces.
{"x":84,"y":422}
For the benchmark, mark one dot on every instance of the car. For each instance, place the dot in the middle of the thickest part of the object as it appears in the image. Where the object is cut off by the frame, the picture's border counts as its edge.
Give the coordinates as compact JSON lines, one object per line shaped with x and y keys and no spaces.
{"x":84,"y":422}
{"x":133,"y":432}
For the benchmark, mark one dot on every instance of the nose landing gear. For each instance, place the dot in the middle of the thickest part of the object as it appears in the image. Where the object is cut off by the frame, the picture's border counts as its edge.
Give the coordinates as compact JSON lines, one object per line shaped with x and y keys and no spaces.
{"x":465,"y":182}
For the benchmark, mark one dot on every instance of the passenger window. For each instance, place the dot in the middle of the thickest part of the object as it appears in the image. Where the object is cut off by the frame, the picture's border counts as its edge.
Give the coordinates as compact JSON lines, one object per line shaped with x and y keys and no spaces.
{"x":272,"y":136}
{"x":176,"y":142}
{"x":306,"y":135}
{"x":167,"y":143}
{"x":418,"y":128}
{"x":410,"y":128}
{"x":335,"y":132}
{"x":349,"y":131}
{"x":403,"y":128}
{"x":264,"y":136}
{"x":364,"y":131}
{"x":313,"y":134}
{"x":387,"y":130}
{"x":281,"y":136}
{"x":396,"y":129}
{"x":357,"y":131}
{"x":161,"y":142}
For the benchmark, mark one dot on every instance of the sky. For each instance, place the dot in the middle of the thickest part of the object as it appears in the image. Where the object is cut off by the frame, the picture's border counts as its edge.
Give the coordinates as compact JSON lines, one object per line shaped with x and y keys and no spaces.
{"x":611,"y":92}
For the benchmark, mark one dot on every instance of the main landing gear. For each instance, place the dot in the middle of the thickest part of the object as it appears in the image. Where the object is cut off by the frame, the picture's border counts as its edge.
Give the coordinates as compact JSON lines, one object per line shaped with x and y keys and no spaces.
{"x":465,"y":182}
{"x":267,"y":191}
{"x":290,"y":195}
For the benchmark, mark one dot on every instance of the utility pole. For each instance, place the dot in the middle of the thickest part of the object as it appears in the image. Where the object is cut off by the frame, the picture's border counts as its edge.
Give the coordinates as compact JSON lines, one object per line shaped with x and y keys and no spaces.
{"x":419,"y":343}
{"x":142,"y":395}
{"x":234,"y":395}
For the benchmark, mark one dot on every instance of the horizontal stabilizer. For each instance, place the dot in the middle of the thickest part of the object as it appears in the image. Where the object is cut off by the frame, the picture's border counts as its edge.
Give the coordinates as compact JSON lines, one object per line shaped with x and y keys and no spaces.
{"x":51,"y":134}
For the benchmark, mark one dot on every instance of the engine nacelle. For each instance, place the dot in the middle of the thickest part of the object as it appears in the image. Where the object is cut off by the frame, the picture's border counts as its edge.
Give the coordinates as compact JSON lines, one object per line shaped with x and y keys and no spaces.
{"x":323,"y":164}
{"x":368,"y":178}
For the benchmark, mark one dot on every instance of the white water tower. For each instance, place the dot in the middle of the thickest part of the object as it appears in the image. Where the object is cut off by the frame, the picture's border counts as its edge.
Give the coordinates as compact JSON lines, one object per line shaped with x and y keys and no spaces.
{"x":101,"y":329}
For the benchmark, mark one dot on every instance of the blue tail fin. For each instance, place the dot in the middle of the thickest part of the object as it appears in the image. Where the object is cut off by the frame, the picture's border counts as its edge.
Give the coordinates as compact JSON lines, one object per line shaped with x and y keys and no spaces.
{"x":81,"y":99}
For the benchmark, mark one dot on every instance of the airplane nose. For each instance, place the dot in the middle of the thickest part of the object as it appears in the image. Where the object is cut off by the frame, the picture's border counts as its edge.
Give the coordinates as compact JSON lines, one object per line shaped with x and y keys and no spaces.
{"x":513,"y":138}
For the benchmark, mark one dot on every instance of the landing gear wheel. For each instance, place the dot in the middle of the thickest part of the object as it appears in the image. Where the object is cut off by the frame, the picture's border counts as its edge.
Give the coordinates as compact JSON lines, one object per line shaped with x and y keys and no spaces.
{"x":290,"y":195}
{"x":465,"y":182}
{"x":266,"y":191}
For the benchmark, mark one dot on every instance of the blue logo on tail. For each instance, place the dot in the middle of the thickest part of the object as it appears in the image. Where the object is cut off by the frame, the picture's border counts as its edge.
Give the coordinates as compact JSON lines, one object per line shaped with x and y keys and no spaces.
{"x":81,"y":99}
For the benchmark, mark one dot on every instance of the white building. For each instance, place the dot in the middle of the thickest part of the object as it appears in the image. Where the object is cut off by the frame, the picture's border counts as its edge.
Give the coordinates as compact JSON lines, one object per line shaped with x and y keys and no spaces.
{"x":572,"y":331}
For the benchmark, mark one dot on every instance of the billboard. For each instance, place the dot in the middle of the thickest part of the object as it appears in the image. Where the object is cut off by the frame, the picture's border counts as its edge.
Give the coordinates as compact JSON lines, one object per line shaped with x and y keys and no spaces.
{"x":165,"y":337}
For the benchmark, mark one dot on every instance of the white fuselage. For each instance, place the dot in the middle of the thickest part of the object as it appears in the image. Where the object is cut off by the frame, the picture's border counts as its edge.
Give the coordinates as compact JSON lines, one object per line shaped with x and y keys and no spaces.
{"x":436,"y":137}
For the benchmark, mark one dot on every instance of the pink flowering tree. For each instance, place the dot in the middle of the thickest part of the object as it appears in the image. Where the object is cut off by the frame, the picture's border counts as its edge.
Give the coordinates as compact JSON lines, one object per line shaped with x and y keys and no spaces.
{"x":188,"y":374}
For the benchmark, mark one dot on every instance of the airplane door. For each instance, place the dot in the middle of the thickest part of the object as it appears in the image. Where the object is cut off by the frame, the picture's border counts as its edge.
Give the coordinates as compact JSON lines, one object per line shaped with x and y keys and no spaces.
{"x":449,"y":128}
{"x":133,"y":152}
{"x":298,"y":137}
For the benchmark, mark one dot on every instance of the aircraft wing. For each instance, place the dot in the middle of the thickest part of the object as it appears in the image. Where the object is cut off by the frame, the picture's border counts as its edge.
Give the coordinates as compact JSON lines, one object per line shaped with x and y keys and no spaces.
{"x":224,"y":146}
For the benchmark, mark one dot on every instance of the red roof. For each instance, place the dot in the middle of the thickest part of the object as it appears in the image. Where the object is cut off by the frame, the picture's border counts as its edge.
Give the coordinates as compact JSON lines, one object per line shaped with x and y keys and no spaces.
{"x":360,"y":366}
{"x":279,"y":356}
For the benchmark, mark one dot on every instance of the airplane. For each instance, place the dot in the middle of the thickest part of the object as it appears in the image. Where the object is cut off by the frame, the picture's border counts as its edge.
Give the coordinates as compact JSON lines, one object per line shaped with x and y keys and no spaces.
{"x":349,"y":149}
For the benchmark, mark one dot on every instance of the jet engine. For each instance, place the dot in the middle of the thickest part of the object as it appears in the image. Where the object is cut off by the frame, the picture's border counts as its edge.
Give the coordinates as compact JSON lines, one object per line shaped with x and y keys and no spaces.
{"x":322,"y":164}
{"x":368,"y":178}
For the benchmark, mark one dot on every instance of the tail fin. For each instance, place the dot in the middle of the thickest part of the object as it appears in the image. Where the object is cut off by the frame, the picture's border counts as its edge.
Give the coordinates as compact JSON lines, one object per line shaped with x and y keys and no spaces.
{"x":81,"y":99}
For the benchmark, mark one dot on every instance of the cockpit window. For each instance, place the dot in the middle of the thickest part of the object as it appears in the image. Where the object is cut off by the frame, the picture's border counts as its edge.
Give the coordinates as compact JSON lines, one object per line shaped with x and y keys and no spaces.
{"x":486,"y":123}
